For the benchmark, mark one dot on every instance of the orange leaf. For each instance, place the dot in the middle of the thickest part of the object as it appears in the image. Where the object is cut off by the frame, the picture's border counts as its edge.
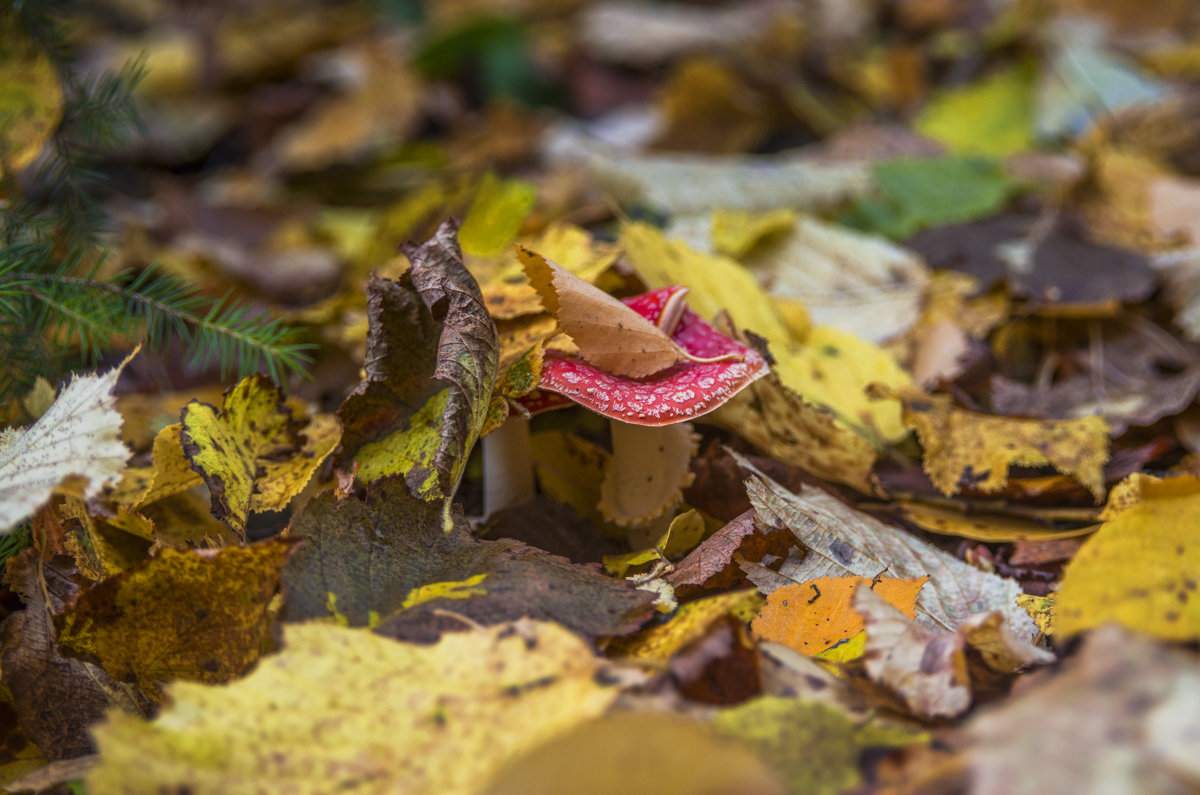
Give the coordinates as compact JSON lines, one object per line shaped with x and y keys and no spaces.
{"x":609,"y":334}
{"x":815,"y":615}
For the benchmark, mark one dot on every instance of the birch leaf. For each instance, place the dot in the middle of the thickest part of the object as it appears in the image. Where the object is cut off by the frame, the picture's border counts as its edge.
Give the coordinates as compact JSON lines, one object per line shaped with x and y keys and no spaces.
{"x":344,"y":709}
{"x":842,"y":541}
{"x":75,"y":445}
{"x":253,"y":453}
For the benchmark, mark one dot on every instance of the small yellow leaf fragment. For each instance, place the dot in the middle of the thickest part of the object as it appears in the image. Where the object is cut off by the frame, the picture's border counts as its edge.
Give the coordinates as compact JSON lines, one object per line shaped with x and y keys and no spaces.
{"x":691,"y":622}
{"x":496,"y":214}
{"x":463,"y":589}
{"x":1141,"y":569}
{"x":338,"y":707}
{"x":735,"y":232}
{"x":813,"y":616}
{"x":982,"y":527}
{"x":962,"y":444}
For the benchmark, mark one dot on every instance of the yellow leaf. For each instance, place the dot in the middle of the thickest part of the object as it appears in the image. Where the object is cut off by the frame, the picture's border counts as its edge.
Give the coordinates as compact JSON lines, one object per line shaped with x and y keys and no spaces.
{"x":690,"y":622}
{"x":254,"y":453}
{"x":199,"y":615}
{"x":100,"y":549}
{"x":638,"y":752}
{"x":31,"y":99}
{"x":570,"y":470}
{"x":735,"y":232}
{"x":344,"y":708}
{"x":965,"y":444}
{"x":77,"y":441}
{"x":170,"y":473}
{"x":717,"y":282}
{"x":834,"y":368}
{"x":496,"y":214}
{"x":463,"y":589}
{"x":1140,"y":569}
{"x":992,"y":116}
{"x":507,"y":292}
{"x":813,"y":616}
{"x":706,"y":107}
{"x":992,"y":528}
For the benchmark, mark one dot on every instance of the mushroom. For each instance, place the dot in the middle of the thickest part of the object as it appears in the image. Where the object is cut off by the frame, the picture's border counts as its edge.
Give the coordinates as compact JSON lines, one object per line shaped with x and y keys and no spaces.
{"x":651,"y":438}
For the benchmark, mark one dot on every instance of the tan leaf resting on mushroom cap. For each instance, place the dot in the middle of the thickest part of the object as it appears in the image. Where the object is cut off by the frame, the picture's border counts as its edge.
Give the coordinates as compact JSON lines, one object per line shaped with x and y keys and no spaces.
{"x":608,"y":333}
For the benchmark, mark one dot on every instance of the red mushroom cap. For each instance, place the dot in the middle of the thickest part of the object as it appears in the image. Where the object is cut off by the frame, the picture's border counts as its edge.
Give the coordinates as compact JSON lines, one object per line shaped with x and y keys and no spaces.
{"x":681,"y":392}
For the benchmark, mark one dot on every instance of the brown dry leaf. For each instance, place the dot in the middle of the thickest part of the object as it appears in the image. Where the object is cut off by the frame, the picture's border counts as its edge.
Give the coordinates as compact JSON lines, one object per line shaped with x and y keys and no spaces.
{"x":1119,"y":716}
{"x":785,"y":426}
{"x":201,"y":615}
{"x":364,"y":559}
{"x":965,"y":446}
{"x":926,"y":667}
{"x":815,"y":615}
{"x":56,"y":698}
{"x":608,"y":333}
{"x":713,"y":564}
{"x":706,"y":107}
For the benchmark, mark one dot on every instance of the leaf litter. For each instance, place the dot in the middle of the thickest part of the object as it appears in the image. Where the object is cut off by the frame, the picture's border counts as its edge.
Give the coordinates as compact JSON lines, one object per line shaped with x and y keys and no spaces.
{"x":950,"y":249}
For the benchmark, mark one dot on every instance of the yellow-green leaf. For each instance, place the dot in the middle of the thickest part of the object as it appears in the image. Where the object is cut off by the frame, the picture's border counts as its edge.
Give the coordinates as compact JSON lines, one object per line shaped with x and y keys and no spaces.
{"x":341,"y":709}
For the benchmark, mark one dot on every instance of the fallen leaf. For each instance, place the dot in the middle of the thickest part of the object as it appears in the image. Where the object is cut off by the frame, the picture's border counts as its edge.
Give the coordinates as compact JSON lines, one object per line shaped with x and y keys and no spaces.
{"x":735,"y":233}
{"x":254,"y":454}
{"x":914,"y":193}
{"x":1139,"y":569}
{"x":495,"y":215}
{"x":201,"y":615}
{"x":636,"y":494}
{"x":707,"y":107}
{"x":170,"y":472}
{"x":667,"y":183}
{"x":842,"y":541}
{"x":713,"y":564}
{"x":991,"y":116}
{"x":1120,"y":715}
{"x":790,"y":429}
{"x":305,"y":718}
{"x":968,"y":447}
{"x":41,"y":679}
{"x":662,"y":641}
{"x":979,"y":526}
{"x":606,"y":332}
{"x":101,"y":548}
{"x":925,"y":667}
{"x":571,"y":469}
{"x":362,"y":559}
{"x":431,"y":365}
{"x":814,"y":746}
{"x":716,"y":283}
{"x":815,"y":615}
{"x":638,"y":753}
{"x":74,"y":446}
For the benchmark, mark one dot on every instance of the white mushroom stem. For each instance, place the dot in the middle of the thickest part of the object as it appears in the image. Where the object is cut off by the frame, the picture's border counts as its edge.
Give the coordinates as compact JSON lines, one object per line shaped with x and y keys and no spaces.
{"x":649,"y":469}
{"x":507,"y":466}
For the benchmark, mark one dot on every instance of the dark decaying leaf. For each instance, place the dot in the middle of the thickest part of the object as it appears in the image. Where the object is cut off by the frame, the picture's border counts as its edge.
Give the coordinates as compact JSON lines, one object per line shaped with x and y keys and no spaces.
{"x":362,"y":559}
{"x":55,"y":698}
{"x":1060,"y":269}
{"x":431,"y":362}
{"x":201,"y":615}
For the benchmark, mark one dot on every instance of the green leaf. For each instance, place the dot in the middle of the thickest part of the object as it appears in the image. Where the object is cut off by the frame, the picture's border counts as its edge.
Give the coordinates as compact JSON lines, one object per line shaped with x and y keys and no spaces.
{"x":913,"y":193}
